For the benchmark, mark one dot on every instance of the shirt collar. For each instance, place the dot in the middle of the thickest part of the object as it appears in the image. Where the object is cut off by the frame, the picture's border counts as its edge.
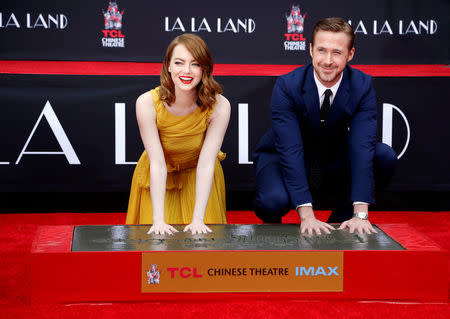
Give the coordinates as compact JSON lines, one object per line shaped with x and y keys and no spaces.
{"x":321,"y":88}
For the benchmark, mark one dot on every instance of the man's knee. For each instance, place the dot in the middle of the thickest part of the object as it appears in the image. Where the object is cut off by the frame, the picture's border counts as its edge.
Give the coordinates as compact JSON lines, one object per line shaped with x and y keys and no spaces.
{"x":385,"y":157}
{"x":385,"y":163}
{"x":273,"y":203}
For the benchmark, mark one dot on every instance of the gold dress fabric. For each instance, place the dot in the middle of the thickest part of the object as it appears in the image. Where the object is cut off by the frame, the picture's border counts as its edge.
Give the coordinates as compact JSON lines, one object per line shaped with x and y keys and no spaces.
{"x":182,"y":139}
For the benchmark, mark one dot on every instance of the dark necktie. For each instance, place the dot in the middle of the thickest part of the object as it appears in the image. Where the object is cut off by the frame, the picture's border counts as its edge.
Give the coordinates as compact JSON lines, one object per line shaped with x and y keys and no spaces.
{"x":315,"y":178}
{"x":326,"y":106}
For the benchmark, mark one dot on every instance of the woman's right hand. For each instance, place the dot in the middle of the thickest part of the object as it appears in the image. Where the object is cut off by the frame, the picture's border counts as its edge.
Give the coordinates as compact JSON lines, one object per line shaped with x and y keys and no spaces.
{"x":162,"y":229}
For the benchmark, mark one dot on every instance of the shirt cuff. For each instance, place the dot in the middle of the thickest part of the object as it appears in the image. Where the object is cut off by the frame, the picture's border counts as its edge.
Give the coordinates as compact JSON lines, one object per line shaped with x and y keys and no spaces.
{"x":303,"y":205}
{"x":356,"y":203}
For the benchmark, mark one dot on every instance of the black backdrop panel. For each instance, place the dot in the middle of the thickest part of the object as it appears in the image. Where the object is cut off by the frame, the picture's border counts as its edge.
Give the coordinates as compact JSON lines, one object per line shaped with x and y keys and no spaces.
{"x":424,"y":164}
{"x":388,"y":32}
{"x":81,"y":116}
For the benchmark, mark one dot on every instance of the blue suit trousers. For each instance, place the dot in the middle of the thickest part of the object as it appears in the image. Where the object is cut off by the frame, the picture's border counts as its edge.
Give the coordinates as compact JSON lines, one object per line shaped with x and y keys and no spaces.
{"x":272,"y":199}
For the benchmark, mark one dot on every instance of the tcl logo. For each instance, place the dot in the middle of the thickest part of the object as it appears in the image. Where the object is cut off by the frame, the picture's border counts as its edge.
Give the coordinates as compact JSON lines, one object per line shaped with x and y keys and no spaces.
{"x":113,"y":34}
{"x":184,"y":272}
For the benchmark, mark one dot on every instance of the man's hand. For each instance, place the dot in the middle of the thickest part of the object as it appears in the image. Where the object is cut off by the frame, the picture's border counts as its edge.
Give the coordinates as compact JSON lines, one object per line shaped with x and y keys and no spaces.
{"x":360,"y":225}
{"x":310,"y":224}
{"x":197,"y":227}
{"x":161,"y":229}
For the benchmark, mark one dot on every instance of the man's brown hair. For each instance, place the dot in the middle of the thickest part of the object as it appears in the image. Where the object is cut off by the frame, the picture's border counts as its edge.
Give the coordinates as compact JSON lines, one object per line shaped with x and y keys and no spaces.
{"x":334,"y":24}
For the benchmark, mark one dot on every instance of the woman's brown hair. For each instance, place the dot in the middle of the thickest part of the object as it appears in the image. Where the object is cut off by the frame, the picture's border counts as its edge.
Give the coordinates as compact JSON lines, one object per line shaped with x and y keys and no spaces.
{"x":208,"y":88}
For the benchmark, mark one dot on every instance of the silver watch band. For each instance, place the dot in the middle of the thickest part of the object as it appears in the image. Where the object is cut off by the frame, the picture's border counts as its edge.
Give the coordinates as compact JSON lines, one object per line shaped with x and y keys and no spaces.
{"x":362,"y":215}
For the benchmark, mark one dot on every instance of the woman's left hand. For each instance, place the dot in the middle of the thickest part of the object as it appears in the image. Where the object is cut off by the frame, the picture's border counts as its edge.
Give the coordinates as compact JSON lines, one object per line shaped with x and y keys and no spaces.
{"x":197,"y":227}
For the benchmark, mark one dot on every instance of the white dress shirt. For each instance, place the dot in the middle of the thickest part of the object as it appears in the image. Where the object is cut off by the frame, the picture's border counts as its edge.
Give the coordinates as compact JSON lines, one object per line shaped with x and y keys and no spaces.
{"x":321,"y":89}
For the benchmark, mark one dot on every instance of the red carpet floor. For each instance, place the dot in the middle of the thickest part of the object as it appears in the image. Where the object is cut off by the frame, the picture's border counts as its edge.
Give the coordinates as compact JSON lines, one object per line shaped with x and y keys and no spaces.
{"x":17,"y":232}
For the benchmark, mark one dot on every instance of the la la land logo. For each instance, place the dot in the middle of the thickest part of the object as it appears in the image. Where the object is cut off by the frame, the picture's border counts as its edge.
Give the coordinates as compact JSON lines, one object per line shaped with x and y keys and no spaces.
{"x":295,"y":21}
{"x":112,"y":34}
{"x":32,"y":21}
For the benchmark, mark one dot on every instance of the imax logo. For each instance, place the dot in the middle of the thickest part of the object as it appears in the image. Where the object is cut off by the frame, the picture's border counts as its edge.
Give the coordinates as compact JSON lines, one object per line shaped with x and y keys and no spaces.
{"x":313,"y":271}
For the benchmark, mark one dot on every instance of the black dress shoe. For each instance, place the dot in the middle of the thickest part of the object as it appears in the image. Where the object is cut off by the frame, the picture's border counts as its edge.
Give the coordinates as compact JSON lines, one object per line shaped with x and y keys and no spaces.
{"x":271,"y":220}
{"x":268,"y":218}
{"x":341,"y":213}
{"x":340,"y":216}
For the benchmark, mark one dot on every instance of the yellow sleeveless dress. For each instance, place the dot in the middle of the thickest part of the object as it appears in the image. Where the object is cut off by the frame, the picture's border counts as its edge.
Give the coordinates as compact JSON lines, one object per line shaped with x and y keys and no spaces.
{"x":182,"y":139}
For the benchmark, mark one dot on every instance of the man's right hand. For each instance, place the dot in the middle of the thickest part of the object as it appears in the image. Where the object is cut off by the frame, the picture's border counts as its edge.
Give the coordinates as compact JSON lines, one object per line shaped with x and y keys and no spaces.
{"x":161,"y":229}
{"x":309,"y":223}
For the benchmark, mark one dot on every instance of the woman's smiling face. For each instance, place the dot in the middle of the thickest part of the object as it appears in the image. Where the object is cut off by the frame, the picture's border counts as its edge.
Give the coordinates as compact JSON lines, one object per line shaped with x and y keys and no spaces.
{"x":185,"y":71}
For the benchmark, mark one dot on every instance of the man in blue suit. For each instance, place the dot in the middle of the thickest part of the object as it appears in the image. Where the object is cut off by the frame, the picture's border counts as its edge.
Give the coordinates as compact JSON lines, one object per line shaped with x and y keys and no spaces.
{"x":322,"y":139}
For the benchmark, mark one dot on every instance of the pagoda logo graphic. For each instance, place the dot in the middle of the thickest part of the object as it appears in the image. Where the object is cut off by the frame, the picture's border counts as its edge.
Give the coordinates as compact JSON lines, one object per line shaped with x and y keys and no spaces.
{"x":112,"y":33}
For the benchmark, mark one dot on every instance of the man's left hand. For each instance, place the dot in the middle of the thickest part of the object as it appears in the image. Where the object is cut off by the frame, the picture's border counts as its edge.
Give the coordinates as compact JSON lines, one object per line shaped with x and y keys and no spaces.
{"x":360,"y":225}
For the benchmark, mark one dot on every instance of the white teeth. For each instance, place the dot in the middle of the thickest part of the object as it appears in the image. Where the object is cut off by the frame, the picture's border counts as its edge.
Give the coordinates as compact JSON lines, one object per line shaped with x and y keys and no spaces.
{"x":185,"y":78}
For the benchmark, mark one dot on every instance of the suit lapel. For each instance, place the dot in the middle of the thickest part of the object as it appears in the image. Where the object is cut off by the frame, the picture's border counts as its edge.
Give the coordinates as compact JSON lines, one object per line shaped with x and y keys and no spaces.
{"x":311,"y":98}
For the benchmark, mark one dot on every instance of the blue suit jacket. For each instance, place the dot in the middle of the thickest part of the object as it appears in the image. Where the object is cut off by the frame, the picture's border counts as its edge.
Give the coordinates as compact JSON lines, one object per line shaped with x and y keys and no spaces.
{"x":295,"y":133}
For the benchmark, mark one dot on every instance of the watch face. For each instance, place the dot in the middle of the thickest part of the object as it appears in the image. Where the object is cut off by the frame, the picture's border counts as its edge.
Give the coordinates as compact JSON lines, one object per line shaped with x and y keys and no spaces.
{"x":362,"y":215}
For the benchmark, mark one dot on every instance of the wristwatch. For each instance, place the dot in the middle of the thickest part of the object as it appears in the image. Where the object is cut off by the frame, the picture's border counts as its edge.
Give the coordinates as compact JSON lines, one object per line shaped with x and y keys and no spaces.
{"x":361,"y":215}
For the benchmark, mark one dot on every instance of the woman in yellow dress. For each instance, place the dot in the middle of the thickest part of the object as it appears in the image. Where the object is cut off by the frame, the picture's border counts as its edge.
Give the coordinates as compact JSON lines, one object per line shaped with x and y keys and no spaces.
{"x":179,"y":179}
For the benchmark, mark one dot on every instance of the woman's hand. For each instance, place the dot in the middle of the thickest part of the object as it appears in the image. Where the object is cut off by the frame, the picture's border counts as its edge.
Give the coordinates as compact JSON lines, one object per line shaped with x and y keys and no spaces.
{"x":197,"y":227}
{"x":162,"y":229}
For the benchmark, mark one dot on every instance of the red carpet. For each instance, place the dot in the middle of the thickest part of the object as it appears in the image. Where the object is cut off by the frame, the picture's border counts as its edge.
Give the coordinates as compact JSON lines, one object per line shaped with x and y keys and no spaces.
{"x":18,"y":230}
